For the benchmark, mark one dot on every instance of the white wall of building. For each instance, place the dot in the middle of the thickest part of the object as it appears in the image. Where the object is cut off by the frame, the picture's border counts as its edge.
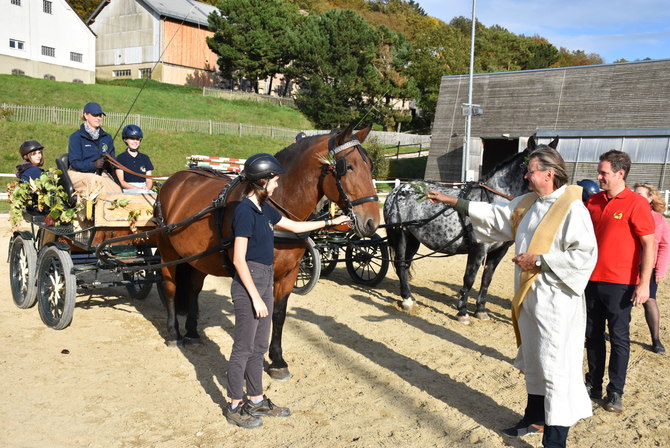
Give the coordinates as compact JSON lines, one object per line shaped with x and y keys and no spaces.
{"x":61,"y":30}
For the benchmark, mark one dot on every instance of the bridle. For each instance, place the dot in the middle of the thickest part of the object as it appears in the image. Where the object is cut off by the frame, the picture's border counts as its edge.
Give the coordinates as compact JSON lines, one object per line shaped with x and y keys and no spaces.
{"x":339,"y":169}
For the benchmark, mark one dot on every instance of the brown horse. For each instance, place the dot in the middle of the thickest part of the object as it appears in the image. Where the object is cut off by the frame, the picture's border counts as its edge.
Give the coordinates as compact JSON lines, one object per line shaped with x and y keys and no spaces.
{"x":333,"y":165}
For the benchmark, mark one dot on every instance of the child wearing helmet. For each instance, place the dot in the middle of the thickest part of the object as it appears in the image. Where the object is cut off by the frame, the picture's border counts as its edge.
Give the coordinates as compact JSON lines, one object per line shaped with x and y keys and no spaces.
{"x":253,"y":222}
{"x":31,"y":152}
{"x":135,"y":161}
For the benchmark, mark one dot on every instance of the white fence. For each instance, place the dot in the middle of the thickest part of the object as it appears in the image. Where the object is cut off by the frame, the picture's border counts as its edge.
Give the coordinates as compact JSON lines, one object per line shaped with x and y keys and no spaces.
{"x":70,"y":117}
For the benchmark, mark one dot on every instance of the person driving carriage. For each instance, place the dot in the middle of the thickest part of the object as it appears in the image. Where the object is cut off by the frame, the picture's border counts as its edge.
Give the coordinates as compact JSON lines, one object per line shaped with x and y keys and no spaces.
{"x":88,"y":171}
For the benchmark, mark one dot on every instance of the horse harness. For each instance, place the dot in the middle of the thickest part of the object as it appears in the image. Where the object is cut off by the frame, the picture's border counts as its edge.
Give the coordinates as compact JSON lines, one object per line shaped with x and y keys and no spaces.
{"x":340,"y":169}
{"x":466,"y":227}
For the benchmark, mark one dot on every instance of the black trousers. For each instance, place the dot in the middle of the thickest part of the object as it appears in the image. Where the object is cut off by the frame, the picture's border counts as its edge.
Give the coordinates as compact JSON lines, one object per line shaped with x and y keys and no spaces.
{"x":553,"y":436}
{"x":608,"y":303}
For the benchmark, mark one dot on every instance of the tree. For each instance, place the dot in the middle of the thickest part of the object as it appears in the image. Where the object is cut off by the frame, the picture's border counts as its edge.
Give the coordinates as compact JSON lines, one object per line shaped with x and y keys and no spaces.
{"x":252,"y":37}
{"x":393,"y":60}
{"x":567,"y":58}
{"x":439,"y":50}
{"x":338,"y":80}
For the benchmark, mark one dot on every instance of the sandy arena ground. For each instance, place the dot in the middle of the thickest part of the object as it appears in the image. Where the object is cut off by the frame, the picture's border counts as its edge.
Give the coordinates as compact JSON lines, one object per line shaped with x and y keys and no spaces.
{"x":365,"y":374}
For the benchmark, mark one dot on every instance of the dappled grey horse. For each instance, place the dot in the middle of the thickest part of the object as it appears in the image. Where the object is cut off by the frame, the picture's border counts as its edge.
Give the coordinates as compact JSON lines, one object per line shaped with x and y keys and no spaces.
{"x":411,"y":220}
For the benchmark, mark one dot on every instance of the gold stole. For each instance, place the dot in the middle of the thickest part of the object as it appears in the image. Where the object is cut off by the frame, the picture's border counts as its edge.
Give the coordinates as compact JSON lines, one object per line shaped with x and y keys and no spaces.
{"x":541,"y":241}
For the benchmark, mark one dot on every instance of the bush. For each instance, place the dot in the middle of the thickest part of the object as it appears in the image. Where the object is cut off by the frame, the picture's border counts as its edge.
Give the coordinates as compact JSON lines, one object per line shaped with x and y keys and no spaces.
{"x":380,"y":163}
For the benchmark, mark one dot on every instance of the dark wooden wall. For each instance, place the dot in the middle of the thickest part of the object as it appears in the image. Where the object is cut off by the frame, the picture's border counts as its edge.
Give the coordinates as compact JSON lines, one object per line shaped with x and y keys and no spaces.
{"x":629,"y":95}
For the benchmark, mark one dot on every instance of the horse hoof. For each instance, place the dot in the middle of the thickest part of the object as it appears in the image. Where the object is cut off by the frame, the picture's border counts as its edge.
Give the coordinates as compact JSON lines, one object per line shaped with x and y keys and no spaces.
{"x":465,"y":319}
{"x":280,"y":374}
{"x":483,"y":315}
{"x":192,"y":341}
{"x":407,"y":304}
{"x":173,"y":343}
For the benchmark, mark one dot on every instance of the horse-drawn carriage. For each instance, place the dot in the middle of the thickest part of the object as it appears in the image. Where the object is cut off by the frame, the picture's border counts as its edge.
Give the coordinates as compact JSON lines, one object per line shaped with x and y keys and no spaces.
{"x":49,"y":263}
{"x":366,"y":259}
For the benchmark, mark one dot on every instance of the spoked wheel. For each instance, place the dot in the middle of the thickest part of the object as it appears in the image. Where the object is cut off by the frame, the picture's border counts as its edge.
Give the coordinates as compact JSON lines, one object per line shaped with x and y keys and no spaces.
{"x":310,"y":269}
{"x":140,"y":284}
{"x":367,"y":259}
{"x":22,"y":272}
{"x":329,"y":256}
{"x":56,"y":287}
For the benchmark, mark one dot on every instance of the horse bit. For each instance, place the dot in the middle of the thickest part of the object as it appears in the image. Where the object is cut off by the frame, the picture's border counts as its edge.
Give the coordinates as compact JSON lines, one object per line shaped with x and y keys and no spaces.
{"x":339,"y":170}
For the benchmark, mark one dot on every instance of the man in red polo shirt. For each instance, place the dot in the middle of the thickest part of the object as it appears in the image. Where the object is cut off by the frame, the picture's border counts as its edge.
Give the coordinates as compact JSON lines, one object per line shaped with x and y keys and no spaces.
{"x":623,"y":225}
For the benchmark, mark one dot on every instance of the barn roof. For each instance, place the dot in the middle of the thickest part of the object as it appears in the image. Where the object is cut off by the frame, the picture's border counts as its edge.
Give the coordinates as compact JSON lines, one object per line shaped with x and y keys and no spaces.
{"x":187,"y":10}
{"x":576,"y":67}
{"x":630,"y":132}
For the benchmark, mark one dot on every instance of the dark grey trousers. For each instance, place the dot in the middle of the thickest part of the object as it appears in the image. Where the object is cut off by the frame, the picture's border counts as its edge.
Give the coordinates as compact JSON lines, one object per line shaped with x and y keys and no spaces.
{"x":252,"y":335}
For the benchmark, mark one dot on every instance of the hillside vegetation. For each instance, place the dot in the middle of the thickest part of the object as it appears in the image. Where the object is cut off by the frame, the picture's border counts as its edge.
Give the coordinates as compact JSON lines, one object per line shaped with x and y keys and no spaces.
{"x":157,"y":99}
{"x":168,"y":150}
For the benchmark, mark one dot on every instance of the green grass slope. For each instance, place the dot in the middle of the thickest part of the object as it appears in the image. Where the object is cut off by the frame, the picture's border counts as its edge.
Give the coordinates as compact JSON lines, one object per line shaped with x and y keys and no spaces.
{"x":168,"y":151}
{"x":157,"y":99}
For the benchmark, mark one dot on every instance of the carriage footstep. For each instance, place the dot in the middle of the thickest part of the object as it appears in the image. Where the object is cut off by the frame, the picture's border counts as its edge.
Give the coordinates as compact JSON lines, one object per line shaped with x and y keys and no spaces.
{"x":280,"y":374}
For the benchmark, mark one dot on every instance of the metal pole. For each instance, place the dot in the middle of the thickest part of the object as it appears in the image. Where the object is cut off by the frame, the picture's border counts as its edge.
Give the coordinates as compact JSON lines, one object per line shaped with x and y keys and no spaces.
{"x":468,"y":118}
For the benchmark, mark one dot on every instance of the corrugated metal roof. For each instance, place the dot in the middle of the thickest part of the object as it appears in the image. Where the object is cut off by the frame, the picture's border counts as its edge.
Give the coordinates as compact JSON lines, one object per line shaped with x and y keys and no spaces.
{"x":575,"y":67}
{"x":637,"y":132}
{"x":186,"y":10}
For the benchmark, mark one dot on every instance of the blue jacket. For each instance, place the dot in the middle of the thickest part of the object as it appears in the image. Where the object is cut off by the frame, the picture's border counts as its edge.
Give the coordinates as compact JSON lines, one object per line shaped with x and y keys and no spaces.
{"x":83,"y":150}
{"x":27,"y":171}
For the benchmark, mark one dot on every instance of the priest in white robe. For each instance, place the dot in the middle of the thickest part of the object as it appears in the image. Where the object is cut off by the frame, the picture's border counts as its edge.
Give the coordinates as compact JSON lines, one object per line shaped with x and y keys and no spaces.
{"x":556,"y":252}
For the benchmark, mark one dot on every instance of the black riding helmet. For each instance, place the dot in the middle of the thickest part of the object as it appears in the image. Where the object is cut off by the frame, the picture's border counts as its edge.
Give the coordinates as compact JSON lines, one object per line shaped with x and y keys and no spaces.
{"x":29,"y":146}
{"x":132,"y":131}
{"x":590,"y":188}
{"x":261,"y":166}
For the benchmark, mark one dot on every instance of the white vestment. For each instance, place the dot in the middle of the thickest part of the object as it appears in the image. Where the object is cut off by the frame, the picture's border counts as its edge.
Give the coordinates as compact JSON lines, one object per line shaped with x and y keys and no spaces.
{"x":552,"y":319}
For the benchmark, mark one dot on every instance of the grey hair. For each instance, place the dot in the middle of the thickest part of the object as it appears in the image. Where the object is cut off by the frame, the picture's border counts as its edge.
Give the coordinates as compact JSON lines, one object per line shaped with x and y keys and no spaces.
{"x":550,"y":159}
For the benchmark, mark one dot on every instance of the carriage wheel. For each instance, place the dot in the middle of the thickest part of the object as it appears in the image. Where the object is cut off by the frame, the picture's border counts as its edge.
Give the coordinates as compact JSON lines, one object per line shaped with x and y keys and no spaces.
{"x":367,"y":259}
{"x":22,"y":272}
{"x":140,"y":284}
{"x":56,"y":287}
{"x":329,"y":257}
{"x":309,"y":271}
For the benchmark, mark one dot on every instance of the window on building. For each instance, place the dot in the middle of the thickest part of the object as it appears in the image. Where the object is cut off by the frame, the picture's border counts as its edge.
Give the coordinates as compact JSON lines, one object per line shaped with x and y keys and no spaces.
{"x":145,"y":73}
{"x":16,"y":44}
{"x":76,"y":57}
{"x":121,"y":73}
{"x":78,"y":81}
{"x":48,"y":51}
{"x":18,"y":71}
{"x":46,"y":6}
{"x":16,"y":2}
{"x":50,"y":77}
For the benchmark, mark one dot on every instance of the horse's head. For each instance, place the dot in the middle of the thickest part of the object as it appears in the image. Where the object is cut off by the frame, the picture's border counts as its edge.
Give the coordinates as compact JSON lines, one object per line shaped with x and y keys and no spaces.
{"x":347,"y":179}
{"x":508,"y":176}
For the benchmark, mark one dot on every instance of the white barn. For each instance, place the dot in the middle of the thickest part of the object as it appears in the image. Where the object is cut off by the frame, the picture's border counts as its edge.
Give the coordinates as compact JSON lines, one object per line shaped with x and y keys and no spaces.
{"x":46,"y":39}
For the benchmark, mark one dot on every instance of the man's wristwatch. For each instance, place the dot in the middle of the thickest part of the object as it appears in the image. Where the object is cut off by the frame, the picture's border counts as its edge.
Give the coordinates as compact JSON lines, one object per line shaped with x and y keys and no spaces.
{"x":538,"y":261}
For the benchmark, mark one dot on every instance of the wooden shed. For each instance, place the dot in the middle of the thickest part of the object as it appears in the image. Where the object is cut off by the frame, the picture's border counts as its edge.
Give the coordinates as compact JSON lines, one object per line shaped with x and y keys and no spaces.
{"x":604,"y":104}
